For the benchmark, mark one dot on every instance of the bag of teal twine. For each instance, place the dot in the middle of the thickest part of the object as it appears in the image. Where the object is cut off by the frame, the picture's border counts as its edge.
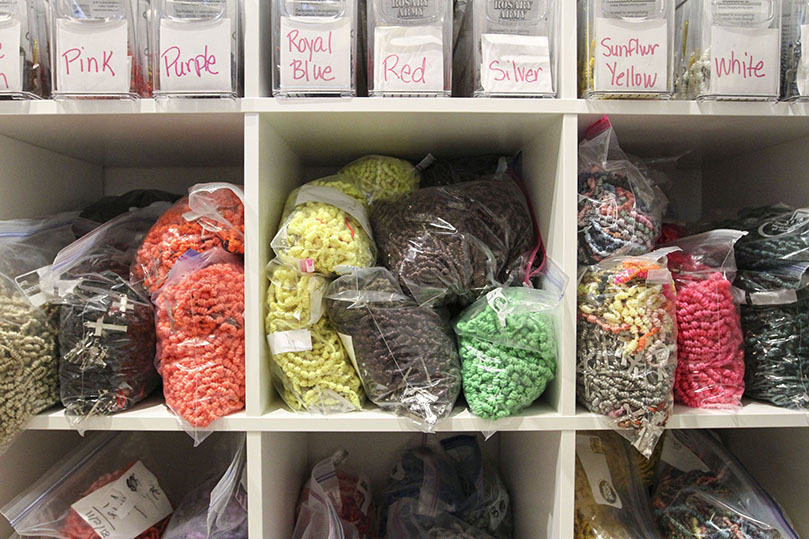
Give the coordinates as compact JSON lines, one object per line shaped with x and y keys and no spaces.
{"x":507,"y":341}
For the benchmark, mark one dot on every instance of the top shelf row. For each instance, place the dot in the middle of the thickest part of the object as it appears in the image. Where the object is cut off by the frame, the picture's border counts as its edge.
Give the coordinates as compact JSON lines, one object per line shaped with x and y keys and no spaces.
{"x":703,"y":50}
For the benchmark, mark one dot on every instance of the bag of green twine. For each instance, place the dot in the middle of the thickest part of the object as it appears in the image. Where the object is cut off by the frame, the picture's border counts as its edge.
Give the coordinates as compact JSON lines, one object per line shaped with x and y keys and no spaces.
{"x":508,"y":346}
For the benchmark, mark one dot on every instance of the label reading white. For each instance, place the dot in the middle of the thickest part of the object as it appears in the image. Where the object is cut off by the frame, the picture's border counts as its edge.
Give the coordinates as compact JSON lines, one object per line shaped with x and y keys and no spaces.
{"x":92,"y":58}
{"x":515,"y":64}
{"x":802,"y":77}
{"x":10,"y":60}
{"x":409,"y":59}
{"x":315,"y":55}
{"x":594,"y":462}
{"x":338,"y":199}
{"x":295,"y":340}
{"x":195,"y":56}
{"x":631,"y":56}
{"x":744,"y":61}
{"x":126,"y":507}
{"x":679,"y":456}
{"x":348,"y":344}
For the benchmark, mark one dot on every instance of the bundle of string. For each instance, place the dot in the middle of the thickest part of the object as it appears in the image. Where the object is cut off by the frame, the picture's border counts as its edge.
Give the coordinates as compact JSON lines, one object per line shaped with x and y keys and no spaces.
{"x":172,"y":235}
{"x":320,"y":379}
{"x":200,"y":338}
{"x":710,"y":352}
{"x":29,"y":377}
{"x":506,"y":364}
{"x":701,"y":504}
{"x":380,"y":177}
{"x":612,"y":220}
{"x":354,"y":508}
{"x":75,"y":527}
{"x":776,"y":341}
{"x":627,"y":347}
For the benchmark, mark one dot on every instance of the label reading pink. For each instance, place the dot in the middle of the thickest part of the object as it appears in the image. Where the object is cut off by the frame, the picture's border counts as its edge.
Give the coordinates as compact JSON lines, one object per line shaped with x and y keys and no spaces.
{"x":10,"y":64}
{"x":315,"y":55}
{"x":92,"y":58}
{"x":631,"y":56}
{"x":744,"y":61}
{"x":195,"y":57}
{"x":409,"y":59}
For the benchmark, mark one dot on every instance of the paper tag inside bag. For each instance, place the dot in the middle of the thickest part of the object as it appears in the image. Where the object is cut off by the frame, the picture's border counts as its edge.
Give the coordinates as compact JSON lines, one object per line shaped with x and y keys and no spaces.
{"x":315,"y":55}
{"x":92,"y":59}
{"x":195,"y":56}
{"x":295,"y":340}
{"x":10,"y":59}
{"x":409,"y":59}
{"x":515,"y":64}
{"x":126,"y":507}
{"x":591,"y":454}
{"x":679,"y":456}
{"x":348,"y":344}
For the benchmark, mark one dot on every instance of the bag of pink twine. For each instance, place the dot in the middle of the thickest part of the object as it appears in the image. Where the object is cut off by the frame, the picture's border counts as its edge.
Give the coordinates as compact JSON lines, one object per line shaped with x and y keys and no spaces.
{"x":710,"y":345}
{"x":200,"y":338}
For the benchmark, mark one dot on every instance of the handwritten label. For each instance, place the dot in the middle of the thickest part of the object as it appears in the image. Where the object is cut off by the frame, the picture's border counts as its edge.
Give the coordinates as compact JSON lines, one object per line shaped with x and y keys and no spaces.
{"x":744,"y":61}
{"x":10,"y":63}
{"x":515,"y":64}
{"x":315,"y":55}
{"x":294,"y":340}
{"x":91,"y":57}
{"x":195,"y":56}
{"x":631,"y":55}
{"x":126,"y":507}
{"x":590,"y":452}
{"x":409,"y":59}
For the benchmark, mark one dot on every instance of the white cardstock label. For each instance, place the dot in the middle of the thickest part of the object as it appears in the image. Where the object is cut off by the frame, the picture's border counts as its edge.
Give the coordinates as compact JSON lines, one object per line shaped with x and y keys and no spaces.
{"x":744,"y":61}
{"x":126,"y":507}
{"x":92,"y":59}
{"x":631,"y":56}
{"x":409,"y":59}
{"x":338,"y":199}
{"x":679,"y":456}
{"x":294,"y":340}
{"x":195,"y":56}
{"x":594,"y":462}
{"x":515,"y":64}
{"x":348,"y":344}
{"x":10,"y":61}
{"x":315,"y":55}
{"x":802,"y":77}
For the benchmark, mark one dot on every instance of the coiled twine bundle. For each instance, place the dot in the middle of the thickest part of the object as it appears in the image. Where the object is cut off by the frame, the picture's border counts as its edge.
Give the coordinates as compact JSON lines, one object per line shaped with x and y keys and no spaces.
{"x":381,"y":177}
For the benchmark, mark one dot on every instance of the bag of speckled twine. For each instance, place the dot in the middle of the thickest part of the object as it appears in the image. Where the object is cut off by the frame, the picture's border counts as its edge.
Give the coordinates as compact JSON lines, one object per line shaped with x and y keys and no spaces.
{"x":508,"y":343}
{"x":29,"y":358}
{"x":310,"y":367}
{"x":627,"y":344}
{"x":710,"y":346}
{"x":620,"y":210}
{"x":703,"y":491}
{"x":199,"y":314}
{"x":405,"y":354}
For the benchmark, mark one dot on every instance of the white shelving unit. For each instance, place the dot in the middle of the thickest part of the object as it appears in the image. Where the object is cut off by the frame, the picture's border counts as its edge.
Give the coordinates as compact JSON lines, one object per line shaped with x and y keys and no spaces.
{"x":59,"y":156}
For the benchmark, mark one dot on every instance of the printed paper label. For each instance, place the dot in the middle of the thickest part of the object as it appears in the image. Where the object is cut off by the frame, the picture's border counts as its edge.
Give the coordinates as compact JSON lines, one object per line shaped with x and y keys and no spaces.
{"x":348,"y":344}
{"x":195,"y":56}
{"x":10,"y":61}
{"x":679,"y":456}
{"x":632,"y":8}
{"x":515,"y":64}
{"x":338,"y":199}
{"x":631,"y":55}
{"x":594,"y":462}
{"x":92,"y":60}
{"x":409,"y":59}
{"x":744,"y":61}
{"x":126,"y":507}
{"x":785,"y":226}
{"x":315,"y":55}
{"x":295,"y":340}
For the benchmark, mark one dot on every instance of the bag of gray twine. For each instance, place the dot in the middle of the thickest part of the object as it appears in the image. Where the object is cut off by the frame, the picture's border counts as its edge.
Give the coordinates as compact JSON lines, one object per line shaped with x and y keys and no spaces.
{"x":404,"y":354}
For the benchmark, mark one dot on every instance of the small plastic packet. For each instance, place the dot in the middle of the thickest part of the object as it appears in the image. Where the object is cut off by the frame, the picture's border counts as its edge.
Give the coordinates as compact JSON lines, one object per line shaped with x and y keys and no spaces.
{"x":445,"y":492}
{"x":104,"y":488}
{"x":775,"y":322}
{"x":620,"y":210}
{"x":778,"y":236}
{"x":325,"y":228}
{"x":452,"y":244}
{"x":212,"y":215}
{"x":611,"y":500}
{"x":200,"y":338}
{"x":507,"y":341}
{"x":702,"y":490}
{"x":29,"y":358}
{"x":404,"y":354}
{"x":627,"y":344}
{"x":335,"y":503}
{"x":380,"y":177}
{"x":710,"y":346}
{"x":310,"y":367}
{"x":217,"y":508}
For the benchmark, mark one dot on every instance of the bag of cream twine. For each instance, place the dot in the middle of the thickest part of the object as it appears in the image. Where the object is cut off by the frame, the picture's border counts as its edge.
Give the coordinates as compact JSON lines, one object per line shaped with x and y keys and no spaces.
{"x":380,"y":177}
{"x":627,"y":344}
{"x":710,"y":351}
{"x":310,"y":367}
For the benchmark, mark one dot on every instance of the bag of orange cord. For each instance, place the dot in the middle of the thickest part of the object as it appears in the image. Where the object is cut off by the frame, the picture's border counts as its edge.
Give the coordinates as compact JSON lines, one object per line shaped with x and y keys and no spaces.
{"x":212,"y":215}
{"x":107,"y":487}
{"x":200,"y":338}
